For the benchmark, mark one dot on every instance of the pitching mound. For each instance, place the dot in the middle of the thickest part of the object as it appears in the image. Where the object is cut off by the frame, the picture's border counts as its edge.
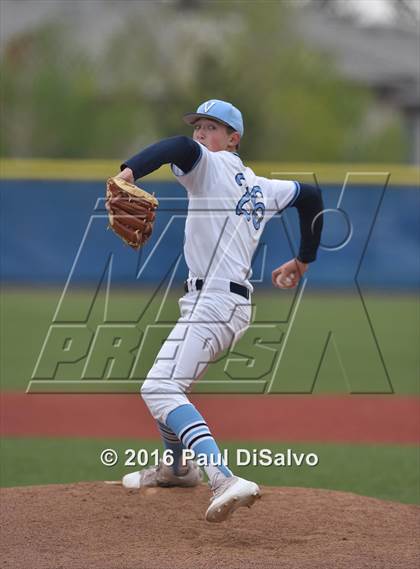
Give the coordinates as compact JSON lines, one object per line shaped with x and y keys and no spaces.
{"x":97,"y":526}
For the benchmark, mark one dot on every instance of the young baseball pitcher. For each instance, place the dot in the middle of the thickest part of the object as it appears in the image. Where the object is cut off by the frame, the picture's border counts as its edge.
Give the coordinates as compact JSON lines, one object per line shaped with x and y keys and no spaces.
{"x":228,"y":208}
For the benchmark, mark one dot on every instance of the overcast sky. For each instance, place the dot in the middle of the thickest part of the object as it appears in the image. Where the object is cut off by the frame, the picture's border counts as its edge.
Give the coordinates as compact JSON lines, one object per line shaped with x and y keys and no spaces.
{"x":376,"y":11}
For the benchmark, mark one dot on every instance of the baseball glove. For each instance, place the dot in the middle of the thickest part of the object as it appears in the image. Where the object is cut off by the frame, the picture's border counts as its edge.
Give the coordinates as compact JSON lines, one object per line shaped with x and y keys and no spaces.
{"x":131,"y":211}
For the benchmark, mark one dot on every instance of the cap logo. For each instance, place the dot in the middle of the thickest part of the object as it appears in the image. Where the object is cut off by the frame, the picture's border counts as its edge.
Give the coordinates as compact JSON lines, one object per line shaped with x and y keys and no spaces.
{"x":208,"y":105}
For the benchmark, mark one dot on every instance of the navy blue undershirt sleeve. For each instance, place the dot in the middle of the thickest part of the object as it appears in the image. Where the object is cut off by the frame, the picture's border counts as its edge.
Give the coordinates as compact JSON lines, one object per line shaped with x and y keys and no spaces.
{"x":309,"y":205}
{"x":179,"y":150}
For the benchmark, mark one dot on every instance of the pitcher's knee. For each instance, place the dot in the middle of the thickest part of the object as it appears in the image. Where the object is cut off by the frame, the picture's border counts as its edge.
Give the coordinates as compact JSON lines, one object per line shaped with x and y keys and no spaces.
{"x":149,"y":390}
{"x":162,"y":396}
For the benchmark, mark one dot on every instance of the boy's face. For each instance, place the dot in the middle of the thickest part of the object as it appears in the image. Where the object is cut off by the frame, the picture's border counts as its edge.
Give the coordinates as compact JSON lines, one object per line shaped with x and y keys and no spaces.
{"x":214,"y":135}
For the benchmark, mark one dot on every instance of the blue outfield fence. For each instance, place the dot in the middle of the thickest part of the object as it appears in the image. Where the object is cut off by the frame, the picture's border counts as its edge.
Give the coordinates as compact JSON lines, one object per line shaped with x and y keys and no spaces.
{"x":53,"y":229}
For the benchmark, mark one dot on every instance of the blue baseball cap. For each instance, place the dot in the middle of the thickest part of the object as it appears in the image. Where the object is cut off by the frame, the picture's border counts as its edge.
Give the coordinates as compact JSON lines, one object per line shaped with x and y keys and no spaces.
{"x":220,"y":111}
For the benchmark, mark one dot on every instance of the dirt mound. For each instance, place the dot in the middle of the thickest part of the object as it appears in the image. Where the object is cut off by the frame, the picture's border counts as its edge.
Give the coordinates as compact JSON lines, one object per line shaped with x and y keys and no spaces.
{"x":97,"y":526}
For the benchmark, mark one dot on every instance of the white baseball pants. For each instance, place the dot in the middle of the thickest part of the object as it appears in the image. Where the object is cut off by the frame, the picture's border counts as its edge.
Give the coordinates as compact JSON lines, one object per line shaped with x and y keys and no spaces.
{"x":210,"y":323}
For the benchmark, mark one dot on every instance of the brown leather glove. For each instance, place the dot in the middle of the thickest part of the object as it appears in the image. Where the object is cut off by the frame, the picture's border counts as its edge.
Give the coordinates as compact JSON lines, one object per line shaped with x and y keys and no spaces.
{"x":131,"y":211}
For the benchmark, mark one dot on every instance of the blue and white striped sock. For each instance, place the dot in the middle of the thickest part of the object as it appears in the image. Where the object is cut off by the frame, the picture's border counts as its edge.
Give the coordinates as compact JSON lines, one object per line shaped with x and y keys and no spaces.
{"x":171,"y":442}
{"x":192,"y":430}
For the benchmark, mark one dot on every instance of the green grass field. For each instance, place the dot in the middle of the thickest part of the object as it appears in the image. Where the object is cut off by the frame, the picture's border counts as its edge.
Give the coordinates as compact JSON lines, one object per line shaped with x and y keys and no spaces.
{"x":335,"y":345}
{"x":384,"y":471}
{"x":348,"y":363}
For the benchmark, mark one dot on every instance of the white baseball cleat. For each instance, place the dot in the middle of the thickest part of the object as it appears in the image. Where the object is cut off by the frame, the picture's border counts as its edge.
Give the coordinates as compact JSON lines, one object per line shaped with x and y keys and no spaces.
{"x":163,"y":476}
{"x":232,"y":494}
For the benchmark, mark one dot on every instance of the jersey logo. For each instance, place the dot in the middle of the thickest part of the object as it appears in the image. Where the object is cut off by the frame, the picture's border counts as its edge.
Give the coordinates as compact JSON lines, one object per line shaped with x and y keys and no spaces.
{"x":208,"y":105}
{"x":250,"y":204}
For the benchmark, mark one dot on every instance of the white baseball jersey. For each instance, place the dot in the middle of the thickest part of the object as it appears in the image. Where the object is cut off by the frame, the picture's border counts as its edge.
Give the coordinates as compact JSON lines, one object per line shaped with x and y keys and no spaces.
{"x":228,"y":209}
